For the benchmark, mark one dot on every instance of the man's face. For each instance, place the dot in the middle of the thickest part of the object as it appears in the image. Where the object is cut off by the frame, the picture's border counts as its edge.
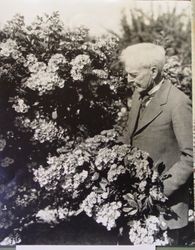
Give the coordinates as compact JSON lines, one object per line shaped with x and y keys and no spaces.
{"x":139,"y":77}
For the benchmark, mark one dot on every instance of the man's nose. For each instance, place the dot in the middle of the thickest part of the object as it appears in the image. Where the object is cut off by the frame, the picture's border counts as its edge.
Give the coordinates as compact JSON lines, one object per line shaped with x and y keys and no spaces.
{"x":130,"y":79}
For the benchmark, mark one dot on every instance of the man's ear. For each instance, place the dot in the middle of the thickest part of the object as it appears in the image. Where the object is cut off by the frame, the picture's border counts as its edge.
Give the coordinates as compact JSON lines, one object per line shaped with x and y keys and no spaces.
{"x":154,"y":71}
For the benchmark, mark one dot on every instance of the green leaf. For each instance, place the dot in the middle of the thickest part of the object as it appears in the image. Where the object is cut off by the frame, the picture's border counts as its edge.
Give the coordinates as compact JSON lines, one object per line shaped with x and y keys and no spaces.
{"x":99,"y":191}
{"x":126,"y":209}
{"x":132,"y":203}
{"x":139,"y":203}
{"x":133,"y":212}
{"x":128,"y":196}
{"x":150,"y":201}
{"x":130,"y":223}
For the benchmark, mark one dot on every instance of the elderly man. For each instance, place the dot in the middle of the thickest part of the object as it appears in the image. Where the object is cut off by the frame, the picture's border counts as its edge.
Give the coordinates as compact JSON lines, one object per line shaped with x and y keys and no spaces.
{"x":160,"y":122}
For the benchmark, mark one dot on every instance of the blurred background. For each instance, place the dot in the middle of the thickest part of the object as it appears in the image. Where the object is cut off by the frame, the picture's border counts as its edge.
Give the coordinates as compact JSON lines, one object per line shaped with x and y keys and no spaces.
{"x":99,"y":15}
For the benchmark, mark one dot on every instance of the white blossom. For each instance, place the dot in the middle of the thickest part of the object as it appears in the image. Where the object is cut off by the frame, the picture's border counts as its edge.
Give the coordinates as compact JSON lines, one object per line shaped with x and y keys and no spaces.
{"x":8,"y":48}
{"x":108,"y":214}
{"x":55,"y":61}
{"x":20,"y":106}
{"x":80,"y":64}
{"x":47,"y":215}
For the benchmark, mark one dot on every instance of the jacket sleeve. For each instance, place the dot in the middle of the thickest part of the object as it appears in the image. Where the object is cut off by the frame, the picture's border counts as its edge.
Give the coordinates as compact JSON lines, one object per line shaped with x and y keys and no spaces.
{"x":182,"y":126}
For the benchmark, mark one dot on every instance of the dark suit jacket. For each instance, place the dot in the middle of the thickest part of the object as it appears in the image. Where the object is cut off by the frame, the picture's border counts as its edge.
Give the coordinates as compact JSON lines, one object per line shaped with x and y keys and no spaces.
{"x":165,"y":132}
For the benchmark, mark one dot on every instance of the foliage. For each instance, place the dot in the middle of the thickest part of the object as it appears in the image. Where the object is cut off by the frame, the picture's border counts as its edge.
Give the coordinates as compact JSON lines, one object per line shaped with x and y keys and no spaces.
{"x":170,"y":29}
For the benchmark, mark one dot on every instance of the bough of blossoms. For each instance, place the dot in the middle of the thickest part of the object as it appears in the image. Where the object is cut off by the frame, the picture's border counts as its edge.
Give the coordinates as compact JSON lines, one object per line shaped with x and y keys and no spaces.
{"x":44,"y":77}
{"x":112,"y":183}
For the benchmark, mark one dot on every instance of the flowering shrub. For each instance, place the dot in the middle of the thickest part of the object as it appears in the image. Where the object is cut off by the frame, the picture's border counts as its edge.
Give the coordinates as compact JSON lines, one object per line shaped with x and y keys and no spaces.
{"x":146,"y":232}
{"x":113,"y":197}
{"x":110,"y":182}
{"x":63,"y":105}
{"x":47,"y":81}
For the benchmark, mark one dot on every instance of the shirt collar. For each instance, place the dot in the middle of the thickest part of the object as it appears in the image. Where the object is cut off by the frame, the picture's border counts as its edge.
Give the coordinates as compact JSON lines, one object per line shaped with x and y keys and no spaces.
{"x":155,"y":88}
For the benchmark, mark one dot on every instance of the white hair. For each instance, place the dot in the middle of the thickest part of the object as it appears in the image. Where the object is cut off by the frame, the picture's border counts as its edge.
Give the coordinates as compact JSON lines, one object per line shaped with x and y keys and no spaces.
{"x":144,"y":55}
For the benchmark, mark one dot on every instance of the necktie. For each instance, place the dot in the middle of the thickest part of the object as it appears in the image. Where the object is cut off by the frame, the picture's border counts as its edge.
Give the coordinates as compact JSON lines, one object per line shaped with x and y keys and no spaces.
{"x":144,"y":102}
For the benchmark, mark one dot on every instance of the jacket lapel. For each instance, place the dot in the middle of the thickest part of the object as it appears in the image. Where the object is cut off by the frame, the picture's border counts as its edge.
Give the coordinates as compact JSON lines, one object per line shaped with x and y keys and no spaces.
{"x":154,"y":109}
{"x":133,"y":115}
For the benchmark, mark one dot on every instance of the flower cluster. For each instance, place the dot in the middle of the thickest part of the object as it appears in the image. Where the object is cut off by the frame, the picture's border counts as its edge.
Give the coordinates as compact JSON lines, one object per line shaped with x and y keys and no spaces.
{"x":108,"y":43}
{"x":44,"y":78}
{"x":55,"y":62}
{"x":32,"y":63}
{"x":11,"y":240}
{"x":46,"y":131}
{"x":92,"y":199}
{"x":139,"y":160}
{"x":44,"y":81}
{"x":80,"y":65}
{"x":102,"y":49}
{"x":47,"y":215}
{"x":54,"y":215}
{"x":9,"y":48}
{"x":20,"y":106}
{"x":26,"y":196}
{"x":105,"y":156}
{"x":65,"y":169}
{"x":102,"y":74}
{"x":148,"y":232}
{"x":95,"y":50}
{"x":108,"y":214}
{"x":106,"y":137}
{"x":22,"y":124}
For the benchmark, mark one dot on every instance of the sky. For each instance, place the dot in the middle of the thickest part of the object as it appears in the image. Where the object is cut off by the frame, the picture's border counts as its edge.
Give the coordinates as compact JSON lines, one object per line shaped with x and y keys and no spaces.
{"x":97,"y":15}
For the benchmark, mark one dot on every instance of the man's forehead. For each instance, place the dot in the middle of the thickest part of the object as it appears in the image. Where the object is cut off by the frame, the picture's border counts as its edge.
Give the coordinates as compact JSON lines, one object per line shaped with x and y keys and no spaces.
{"x":132,"y":68}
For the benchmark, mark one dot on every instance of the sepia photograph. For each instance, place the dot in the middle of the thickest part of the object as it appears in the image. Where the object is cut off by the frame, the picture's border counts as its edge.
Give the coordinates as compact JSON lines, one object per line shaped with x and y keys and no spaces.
{"x":96,"y":141}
